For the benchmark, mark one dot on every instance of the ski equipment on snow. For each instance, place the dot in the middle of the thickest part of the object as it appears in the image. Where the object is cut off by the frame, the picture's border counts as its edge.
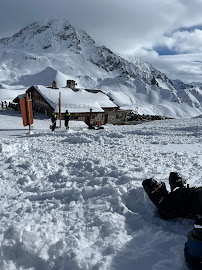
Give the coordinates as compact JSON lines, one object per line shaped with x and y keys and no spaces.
{"x":193,"y":247}
{"x":176,"y":180}
{"x":155,"y":190}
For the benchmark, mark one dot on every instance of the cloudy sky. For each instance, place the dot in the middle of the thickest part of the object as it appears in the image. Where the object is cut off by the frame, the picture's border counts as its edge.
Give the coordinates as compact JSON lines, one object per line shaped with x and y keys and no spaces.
{"x":166,"y":33}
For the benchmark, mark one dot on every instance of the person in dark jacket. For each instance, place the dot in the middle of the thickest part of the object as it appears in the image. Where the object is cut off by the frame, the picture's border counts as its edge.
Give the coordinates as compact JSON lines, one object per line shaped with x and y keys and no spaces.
{"x":67,"y":116}
{"x":182,"y":201}
{"x":53,"y":120}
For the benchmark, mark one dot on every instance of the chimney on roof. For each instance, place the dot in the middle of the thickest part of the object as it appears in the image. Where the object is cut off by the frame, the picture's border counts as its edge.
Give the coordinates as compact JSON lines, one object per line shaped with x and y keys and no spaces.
{"x":71,"y":84}
{"x":54,"y":85}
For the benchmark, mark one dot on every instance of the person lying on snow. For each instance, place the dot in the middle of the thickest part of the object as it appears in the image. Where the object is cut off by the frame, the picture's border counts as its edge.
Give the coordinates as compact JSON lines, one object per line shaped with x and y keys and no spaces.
{"x":182,"y":201}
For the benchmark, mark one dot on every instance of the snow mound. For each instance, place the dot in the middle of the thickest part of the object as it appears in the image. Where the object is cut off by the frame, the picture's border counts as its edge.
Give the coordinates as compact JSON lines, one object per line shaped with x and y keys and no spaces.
{"x":45,"y":77}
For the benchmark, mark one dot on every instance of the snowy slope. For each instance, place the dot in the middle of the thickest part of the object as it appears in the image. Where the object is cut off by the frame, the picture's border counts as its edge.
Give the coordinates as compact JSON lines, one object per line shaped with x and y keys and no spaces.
{"x":53,"y":49}
{"x":179,"y":85}
{"x":45,"y":77}
{"x":8,"y":93}
{"x":75,"y":200}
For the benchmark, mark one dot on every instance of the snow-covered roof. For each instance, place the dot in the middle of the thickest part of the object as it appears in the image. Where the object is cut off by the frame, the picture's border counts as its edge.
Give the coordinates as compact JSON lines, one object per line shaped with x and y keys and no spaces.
{"x":79,"y":101}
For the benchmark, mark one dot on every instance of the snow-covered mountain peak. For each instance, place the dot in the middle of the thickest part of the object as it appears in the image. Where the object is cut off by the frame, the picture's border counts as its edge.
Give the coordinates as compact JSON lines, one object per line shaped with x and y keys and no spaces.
{"x":50,"y":35}
{"x":56,"y":35}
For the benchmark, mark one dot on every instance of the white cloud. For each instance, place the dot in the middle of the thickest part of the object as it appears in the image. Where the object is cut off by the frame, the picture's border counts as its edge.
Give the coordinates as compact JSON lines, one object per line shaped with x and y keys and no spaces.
{"x":186,"y":64}
{"x":183,"y":41}
{"x":186,"y":67}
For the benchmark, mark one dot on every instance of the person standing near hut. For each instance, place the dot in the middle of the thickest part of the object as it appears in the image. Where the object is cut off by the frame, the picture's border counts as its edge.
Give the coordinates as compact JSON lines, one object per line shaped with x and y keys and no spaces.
{"x":53,"y":119}
{"x":67,"y":116}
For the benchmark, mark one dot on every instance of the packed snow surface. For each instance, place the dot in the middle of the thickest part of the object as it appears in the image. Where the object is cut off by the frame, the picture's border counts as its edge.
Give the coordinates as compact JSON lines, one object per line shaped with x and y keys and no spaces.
{"x":74,"y":200}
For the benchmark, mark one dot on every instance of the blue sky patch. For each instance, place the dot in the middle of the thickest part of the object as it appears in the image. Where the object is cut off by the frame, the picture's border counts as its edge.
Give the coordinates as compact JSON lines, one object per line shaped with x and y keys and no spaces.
{"x":163,"y":50}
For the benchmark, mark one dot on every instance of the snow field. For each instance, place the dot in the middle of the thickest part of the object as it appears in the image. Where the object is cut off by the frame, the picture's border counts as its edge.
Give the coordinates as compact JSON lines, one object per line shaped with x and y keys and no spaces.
{"x":74,"y":200}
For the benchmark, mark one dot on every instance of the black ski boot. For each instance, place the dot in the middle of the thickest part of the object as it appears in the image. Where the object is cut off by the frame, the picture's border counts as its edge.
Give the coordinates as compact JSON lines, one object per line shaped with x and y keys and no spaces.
{"x":176,"y":180}
{"x":155,"y":190}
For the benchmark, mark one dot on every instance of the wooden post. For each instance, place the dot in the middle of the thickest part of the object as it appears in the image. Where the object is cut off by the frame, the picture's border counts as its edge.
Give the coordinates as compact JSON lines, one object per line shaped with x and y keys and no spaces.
{"x":28,"y":111}
{"x":90,"y":117}
{"x":60,"y":107}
